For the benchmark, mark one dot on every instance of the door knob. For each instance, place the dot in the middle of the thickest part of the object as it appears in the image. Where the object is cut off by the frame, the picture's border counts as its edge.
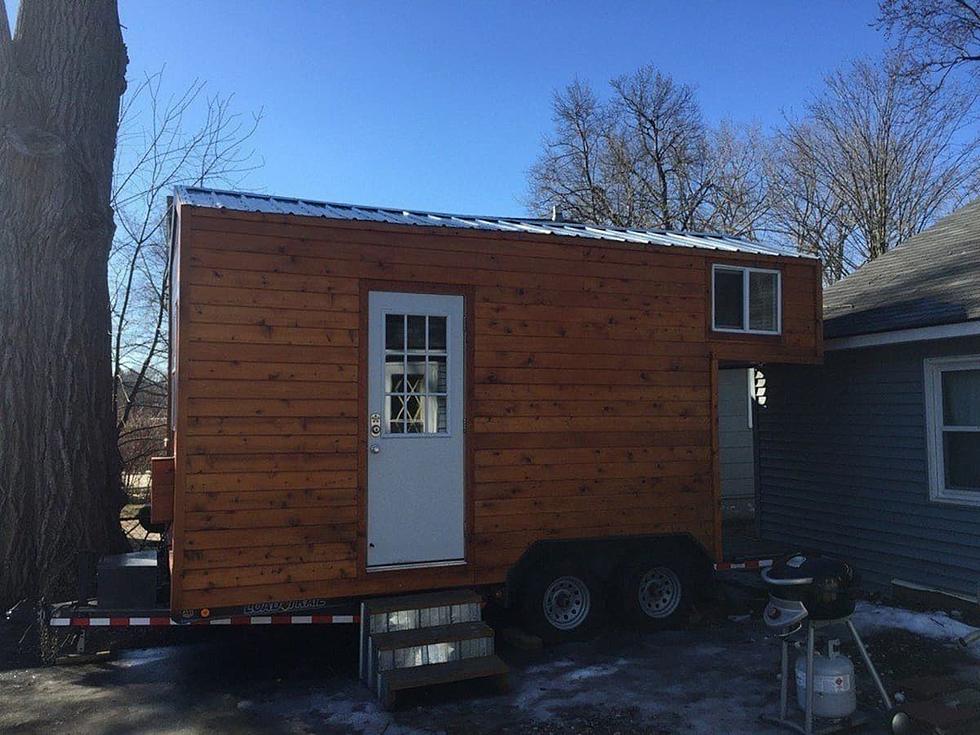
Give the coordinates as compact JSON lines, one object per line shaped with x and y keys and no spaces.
{"x":375,"y":449}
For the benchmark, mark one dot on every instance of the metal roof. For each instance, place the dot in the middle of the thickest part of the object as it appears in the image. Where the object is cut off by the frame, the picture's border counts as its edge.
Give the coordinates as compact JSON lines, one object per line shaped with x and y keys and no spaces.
{"x":249,"y":202}
{"x":930,"y":279}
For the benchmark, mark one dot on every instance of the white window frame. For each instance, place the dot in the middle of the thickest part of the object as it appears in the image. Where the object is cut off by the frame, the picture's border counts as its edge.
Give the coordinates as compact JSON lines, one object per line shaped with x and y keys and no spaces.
{"x":745,"y":271}
{"x":934,"y":368}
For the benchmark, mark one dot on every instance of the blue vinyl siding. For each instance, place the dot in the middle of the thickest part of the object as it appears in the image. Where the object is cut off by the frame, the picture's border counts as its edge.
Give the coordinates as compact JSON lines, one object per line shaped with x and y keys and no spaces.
{"x":843,"y":467}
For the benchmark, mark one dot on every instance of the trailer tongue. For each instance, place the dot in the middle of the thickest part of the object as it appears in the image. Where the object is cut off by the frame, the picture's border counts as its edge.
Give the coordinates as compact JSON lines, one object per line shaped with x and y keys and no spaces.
{"x":132,"y":592}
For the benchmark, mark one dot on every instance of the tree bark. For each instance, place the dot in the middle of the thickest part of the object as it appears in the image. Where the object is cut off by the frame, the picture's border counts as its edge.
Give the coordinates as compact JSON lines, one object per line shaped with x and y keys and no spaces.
{"x":61,"y":77}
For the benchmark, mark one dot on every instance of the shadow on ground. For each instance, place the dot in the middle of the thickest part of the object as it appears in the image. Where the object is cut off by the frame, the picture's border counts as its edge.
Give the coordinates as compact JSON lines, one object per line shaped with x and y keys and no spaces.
{"x":715,"y":678}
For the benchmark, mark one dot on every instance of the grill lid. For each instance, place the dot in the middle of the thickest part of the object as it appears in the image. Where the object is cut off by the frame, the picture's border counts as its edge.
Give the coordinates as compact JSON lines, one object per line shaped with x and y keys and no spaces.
{"x":820,"y":584}
{"x":805,"y":569}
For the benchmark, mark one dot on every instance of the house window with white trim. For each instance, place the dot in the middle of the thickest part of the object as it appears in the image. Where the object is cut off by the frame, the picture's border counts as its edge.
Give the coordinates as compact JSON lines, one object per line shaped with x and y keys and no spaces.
{"x":747,"y":300}
{"x":952,"y":393}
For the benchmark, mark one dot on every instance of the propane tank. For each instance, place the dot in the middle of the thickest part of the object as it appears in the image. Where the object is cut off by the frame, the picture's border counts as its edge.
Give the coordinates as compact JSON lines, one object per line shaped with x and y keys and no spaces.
{"x":834,"y":693}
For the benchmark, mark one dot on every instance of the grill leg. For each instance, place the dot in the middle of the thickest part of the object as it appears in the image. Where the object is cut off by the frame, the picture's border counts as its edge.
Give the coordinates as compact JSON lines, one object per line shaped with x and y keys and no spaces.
{"x":808,"y":721}
{"x":871,"y":667}
{"x":784,"y":682}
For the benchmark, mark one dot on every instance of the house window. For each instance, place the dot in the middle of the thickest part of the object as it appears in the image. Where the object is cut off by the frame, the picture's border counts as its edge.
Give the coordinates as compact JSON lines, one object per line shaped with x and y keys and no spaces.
{"x":952,"y":394}
{"x":745,"y":300}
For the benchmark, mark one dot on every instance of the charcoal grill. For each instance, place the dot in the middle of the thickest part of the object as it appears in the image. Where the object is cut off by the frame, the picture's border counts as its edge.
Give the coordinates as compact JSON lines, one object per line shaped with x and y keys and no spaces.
{"x":810,"y":593}
{"x":808,"y":587}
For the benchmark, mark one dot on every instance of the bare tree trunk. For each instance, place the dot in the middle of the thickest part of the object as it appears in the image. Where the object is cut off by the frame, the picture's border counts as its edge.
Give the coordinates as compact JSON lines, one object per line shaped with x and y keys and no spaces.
{"x":61,"y":78}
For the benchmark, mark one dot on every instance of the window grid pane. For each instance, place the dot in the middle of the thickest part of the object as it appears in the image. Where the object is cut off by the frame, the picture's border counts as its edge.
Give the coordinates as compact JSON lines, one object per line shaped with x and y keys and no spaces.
{"x":417,"y":395}
{"x":961,"y":460}
{"x":729,"y":299}
{"x":395,"y":332}
{"x":961,"y":398}
{"x":762,"y":301}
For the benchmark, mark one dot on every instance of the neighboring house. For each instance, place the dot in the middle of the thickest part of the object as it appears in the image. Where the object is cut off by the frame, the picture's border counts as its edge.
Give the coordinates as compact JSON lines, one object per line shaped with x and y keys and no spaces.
{"x":875,"y":456}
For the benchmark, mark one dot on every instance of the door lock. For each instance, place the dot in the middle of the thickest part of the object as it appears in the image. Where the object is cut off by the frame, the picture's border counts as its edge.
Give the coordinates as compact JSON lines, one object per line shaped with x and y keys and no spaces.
{"x":375,"y":425}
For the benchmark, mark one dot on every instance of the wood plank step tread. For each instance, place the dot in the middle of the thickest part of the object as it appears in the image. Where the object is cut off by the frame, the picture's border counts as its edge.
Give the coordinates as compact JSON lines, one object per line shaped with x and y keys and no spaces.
{"x":435,"y":634}
{"x":422,"y":601}
{"x":418,"y":676}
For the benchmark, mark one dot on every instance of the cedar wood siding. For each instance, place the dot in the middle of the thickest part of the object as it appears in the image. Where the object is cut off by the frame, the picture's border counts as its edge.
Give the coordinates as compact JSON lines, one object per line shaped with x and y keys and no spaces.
{"x":843,"y":467}
{"x":589,"y":378}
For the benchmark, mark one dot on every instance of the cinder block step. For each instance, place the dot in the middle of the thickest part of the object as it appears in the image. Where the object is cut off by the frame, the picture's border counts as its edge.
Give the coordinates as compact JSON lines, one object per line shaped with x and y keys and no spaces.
{"x":421,"y":611}
{"x":419,"y":647}
{"x":396,"y":680}
{"x":411,"y":612}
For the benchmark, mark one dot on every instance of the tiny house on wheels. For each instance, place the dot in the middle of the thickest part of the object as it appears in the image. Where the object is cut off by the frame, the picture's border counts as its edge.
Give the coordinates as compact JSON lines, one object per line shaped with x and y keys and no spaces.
{"x":371,"y":401}
{"x":368,"y":401}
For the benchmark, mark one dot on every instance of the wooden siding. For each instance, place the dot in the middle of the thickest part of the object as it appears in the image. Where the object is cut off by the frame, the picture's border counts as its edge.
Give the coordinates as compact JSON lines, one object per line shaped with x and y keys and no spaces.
{"x":843,"y":468}
{"x":590,"y":403}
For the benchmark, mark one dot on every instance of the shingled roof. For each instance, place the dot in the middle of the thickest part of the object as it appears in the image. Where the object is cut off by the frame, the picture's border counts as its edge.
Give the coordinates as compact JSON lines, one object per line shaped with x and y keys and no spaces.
{"x":932,"y":278}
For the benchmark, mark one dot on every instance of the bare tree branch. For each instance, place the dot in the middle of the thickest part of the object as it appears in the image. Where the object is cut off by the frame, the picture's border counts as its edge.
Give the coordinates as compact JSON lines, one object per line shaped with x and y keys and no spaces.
{"x":644,"y":158}
{"x":939,"y":36}
{"x":739,"y":201}
{"x":873,"y":161}
{"x":165,"y":140}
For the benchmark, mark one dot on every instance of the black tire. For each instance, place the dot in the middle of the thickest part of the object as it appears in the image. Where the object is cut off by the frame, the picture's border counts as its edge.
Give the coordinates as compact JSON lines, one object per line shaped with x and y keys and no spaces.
{"x":656,"y":592}
{"x":562,"y":601}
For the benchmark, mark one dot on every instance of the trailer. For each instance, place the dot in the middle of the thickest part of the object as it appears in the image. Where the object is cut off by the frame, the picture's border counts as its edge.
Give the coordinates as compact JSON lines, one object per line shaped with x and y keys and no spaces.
{"x":371,"y":403}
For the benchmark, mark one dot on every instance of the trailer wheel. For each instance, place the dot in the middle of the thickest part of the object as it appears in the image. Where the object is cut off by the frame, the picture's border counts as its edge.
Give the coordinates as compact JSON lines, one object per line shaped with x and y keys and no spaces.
{"x":656,"y":593}
{"x":562,"y":601}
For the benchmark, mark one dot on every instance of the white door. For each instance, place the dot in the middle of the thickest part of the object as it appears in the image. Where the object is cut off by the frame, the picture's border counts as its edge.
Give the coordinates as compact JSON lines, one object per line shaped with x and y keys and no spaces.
{"x":736,"y":438}
{"x":415,"y":429}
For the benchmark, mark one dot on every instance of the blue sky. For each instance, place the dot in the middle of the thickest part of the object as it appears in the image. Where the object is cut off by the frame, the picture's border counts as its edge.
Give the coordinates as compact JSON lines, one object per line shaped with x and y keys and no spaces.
{"x":443,"y":105}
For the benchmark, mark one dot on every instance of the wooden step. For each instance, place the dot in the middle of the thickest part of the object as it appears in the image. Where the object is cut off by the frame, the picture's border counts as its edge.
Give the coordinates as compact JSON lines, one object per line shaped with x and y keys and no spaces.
{"x":396,"y":680}
{"x":421,"y":601}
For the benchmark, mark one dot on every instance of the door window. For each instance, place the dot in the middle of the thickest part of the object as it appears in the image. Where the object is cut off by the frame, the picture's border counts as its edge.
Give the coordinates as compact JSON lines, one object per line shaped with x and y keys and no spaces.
{"x":416,"y":366}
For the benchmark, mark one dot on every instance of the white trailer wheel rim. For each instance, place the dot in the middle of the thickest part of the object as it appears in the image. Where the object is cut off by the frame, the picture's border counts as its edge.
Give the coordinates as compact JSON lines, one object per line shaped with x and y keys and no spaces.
{"x":566,"y":603}
{"x":659,"y":592}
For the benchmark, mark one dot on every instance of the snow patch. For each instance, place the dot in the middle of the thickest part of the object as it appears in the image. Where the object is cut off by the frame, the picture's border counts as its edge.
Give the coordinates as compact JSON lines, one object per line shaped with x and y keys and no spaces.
{"x":937,"y":626}
{"x":549,"y":667}
{"x":591,"y":672}
{"x":360,"y":717}
{"x":140,"y":657}
{"x":351,"y":708}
